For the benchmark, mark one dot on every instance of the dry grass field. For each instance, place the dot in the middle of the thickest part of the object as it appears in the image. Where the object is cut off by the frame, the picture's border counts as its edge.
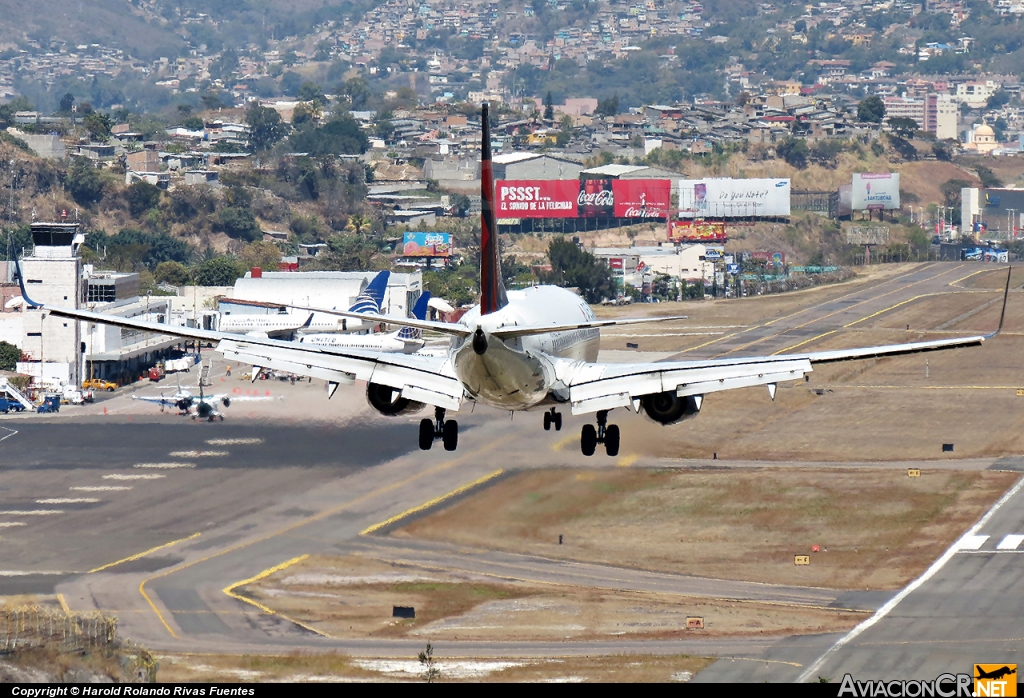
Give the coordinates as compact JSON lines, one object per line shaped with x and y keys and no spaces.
{"x":353,"y":597}
{"x":878,"y":529}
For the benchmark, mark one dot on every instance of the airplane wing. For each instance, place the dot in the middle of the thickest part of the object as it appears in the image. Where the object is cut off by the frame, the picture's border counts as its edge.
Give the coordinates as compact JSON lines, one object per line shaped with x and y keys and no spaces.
{"x":427,"y":379}
{"x":602,"y":386}
{"x":161,"y":400}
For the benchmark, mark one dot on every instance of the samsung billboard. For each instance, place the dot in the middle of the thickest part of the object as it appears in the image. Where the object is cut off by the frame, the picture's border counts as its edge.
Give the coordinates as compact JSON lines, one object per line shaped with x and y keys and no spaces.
{"x":876,"y":191}
{"x":734,"y":198}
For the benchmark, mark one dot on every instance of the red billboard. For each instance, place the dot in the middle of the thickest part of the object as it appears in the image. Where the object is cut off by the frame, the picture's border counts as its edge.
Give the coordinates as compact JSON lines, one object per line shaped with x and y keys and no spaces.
{"x":596,"y":198}
{"x":642,"y":198}
{"x":536,"y":198}
{"x":697,"y":231}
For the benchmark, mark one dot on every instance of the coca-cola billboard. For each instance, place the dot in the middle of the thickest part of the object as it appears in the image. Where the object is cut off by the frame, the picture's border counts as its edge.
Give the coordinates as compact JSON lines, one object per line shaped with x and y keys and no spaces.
{"x":697,"y":231}
{"x":536,"y":198}
{"x":642,"y":198}
{"x":596,"y":198}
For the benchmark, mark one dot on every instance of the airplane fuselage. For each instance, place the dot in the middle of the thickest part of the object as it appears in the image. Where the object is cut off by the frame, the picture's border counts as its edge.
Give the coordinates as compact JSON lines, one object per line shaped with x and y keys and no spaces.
{"x":518,"y":374}
{"x":388,"y":343}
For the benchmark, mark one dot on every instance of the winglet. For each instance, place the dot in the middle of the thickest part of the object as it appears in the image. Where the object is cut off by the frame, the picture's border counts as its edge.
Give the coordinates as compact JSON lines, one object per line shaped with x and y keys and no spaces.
{"x":21,"y":282}
{"x":308,"y":322}
{"x":1006,"y":297}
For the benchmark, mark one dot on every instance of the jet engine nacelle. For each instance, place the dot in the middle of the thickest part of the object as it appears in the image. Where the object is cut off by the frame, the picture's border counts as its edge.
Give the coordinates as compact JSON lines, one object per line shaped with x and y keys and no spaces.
{"x":226,"y":401}
{"x":669,"y":408}
{"x":387,"y":401}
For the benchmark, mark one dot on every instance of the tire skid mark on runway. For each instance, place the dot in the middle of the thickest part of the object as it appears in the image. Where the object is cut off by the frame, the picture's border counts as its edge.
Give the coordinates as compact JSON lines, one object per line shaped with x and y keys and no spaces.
{"x":327,"y":513}
{"x":910,"y":588}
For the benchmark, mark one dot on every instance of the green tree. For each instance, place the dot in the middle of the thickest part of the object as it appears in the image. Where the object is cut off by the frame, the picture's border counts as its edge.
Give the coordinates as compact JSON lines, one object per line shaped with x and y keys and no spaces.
{"x":339,"y":136}
{"x":430,"y":671}
{"x":193,"y":123}
{"x":575,"y":267}
{"x":549,"y":107}
{"x":141,"y":197}
{"x":10,"y":355}
{"x":951,"y":191}
{"x":66,"y":103}
{"x":173,"y":273}
{"x":311,"y":92}
{"x":98,"y":125}
{"x":944,"y":149}
{"x":238,"y":223}
{"x":350,"y":252}
{"x":357,"y":92}
{"x":219,"y":271}
{"x":265,"y":127}
{"x":84,"y":183}
{"x":794,"y":151}
{"x":902,"y":126}
{"x":450,"y":285}
{"x":608,"y":106}
{"x":871,"y":109}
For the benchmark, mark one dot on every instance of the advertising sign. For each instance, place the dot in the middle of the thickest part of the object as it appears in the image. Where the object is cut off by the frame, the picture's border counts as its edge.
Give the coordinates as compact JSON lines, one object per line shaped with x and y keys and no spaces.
{"x":734,"y":198}
{"x":596,"y":198}
{"x":541,"y":198}
{"x":427,"y":245}
{"x":770,"y":259}
{"x":732,"y":268}
{"x":697,"y":231}
{"x":713,"y":254}
{"x":642,"y":198}
{"x":876,"y":191}
{"x":615,"y":263}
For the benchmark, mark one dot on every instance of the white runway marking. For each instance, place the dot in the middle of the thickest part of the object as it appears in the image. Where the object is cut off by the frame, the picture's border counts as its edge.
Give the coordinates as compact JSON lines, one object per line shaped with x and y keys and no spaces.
{"x":11,"y":524}
{"x":164,"y":466}
{"x":25,"y":573}
{"x":812,"y":671}
{"x":1010,"y":542}
{"x":234,"y":442}
{"x":13,"y":432}
{"x":68,"y":500}
{"x":101,"y":488}
{"x":31,"y":512}
{"x":197,"y":454}
{"x":971,"y":542}
{"x":117,"y":476}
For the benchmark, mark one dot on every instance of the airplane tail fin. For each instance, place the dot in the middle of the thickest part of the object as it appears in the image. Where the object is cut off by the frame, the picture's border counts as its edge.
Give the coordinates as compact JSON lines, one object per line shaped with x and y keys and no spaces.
{"x":372,"y":297}
{"x":492,"y":289}
{"x":419,"y":312}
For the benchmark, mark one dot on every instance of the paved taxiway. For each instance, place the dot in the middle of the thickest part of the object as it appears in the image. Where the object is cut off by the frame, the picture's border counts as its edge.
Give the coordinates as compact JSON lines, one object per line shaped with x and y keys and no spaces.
{"x":183,"y":511}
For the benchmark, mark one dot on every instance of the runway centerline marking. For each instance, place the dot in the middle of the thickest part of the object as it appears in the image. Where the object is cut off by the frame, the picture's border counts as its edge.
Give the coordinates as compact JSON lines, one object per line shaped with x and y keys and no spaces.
{"x":144,"y":553}
{"x":68,"y":500}
{"x":196,"y":454}
{"x":433,"y":502}
{"x":101,"y":488}
{"x":11,"y":524}
{"x":164,"y":466}
{"x":32,"y":512}
{"x":118,"y":476}
{"x":327,"y":513}
{"x":234,"y":442}
{"x":910,"y":588}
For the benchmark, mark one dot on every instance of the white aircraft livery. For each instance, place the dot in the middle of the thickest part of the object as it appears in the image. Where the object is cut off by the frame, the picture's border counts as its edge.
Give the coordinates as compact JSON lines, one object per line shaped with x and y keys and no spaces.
{"x":518,"y":350}
{"x":406,"y":340}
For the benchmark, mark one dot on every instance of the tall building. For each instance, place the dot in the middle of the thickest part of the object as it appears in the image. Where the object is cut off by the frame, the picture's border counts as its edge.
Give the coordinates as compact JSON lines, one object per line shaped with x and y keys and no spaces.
{"x":936,"y":113}
{"x":53,"y":274}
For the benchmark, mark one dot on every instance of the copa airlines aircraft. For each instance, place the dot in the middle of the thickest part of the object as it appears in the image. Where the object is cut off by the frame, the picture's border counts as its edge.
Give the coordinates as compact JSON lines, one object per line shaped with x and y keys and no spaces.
{"x":370,"y":299}
{"x":406,"y":340}
{"x":521,"y":350}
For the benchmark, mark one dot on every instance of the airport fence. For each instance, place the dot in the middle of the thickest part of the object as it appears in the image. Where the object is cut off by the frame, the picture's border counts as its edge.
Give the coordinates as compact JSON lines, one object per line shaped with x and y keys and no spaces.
{"x":35,"y":626}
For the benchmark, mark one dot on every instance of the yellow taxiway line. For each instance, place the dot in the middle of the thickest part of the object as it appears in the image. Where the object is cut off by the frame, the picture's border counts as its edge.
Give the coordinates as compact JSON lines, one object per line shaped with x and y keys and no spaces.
{"x":144,"y":553}
{"x":432,"y":503}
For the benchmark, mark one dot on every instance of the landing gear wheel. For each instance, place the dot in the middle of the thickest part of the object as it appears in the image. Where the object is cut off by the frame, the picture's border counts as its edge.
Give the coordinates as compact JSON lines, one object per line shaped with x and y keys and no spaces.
{"x":588,"y":439}
{"x":450,"y":435}
{"x":547,"y":421}
{"x":557,"y":420}
{"x":611,"y":440}
{"x":426,"y":434}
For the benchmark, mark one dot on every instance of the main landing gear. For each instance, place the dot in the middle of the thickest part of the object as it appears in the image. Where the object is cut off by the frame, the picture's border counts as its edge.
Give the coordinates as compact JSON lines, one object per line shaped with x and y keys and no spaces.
{"x":439,"y":428}
{"x":552,"y":419}
{"x":607,"y":434}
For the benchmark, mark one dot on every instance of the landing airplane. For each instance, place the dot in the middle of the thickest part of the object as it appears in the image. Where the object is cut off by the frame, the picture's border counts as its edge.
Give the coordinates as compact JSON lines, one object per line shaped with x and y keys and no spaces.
{"x":370,"y":299}
{"x":406,"y":340}
{"x":519,"y":350}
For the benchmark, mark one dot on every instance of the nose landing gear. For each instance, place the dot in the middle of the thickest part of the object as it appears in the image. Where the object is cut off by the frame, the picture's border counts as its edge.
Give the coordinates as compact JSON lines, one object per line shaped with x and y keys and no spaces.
{"x":439,"y":428}
{"x":552,"y":418}
{"x":607,"y":434}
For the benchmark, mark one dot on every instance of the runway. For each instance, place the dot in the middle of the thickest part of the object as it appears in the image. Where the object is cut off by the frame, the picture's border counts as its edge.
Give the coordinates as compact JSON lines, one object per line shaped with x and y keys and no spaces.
{"x":153,"y":517}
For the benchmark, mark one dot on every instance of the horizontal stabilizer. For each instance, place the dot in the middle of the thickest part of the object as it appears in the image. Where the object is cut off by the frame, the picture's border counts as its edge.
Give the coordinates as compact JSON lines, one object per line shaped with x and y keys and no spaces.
{"x":442,"y":327}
